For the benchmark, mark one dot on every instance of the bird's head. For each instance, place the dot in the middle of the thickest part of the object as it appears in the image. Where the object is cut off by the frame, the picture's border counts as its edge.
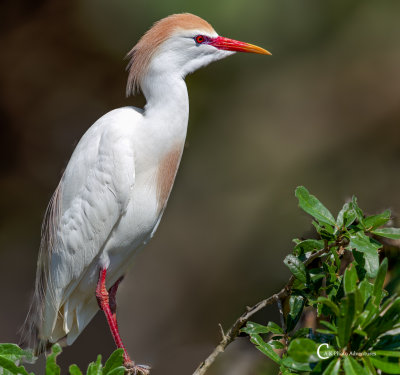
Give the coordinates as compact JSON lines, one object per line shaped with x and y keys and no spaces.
{"x":179,"y":44}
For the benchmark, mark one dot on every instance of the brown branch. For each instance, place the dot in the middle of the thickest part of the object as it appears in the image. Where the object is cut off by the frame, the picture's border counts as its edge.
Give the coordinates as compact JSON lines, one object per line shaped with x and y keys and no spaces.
{"x":234,"y":330}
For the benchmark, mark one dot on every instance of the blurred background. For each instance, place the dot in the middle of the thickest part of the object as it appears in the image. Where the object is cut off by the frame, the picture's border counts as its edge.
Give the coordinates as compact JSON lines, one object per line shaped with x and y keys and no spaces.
{"x":323,"y":111}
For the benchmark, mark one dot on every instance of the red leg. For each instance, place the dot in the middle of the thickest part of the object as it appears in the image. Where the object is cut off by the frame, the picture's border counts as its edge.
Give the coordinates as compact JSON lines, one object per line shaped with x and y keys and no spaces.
{"x":107,"y":303}
{"x":104,"y":301}
{"x":112,"y":292}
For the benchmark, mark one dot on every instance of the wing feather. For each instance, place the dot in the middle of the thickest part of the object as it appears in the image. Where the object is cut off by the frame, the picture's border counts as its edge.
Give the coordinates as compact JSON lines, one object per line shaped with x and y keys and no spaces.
{"x":87,"y":205}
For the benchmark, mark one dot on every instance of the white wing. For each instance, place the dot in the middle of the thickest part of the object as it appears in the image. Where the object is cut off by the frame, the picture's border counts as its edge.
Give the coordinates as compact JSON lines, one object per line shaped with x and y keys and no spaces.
{"x":92,"y":196}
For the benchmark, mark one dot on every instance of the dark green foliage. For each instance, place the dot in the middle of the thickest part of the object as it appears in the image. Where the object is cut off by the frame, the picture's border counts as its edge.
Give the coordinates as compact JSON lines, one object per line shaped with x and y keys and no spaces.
{"x":358,"y":321}
{"x":11,"y":355}
{"x":296,"y":305}
{"x":51,"y":361}
{"x":297,"y":267}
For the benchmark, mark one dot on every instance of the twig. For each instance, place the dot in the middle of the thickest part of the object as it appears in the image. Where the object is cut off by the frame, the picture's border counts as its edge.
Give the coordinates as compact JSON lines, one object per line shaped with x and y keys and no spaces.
{"x":280,"y":308}
{"x":234,"y":330}
{"x":283,"y":323}
{"x":222,"y":331}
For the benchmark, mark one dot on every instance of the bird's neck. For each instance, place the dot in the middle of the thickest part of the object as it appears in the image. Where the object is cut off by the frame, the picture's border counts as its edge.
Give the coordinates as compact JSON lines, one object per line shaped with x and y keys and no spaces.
{"x":167,"y":103}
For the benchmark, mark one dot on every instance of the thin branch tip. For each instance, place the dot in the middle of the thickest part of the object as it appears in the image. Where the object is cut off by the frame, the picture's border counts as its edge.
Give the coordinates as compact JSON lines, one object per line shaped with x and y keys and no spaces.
{"x":222,"y":332}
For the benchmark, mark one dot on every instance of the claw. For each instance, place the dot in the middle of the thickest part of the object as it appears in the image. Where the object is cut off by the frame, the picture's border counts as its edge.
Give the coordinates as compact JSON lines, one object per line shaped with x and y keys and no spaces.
{"x":133,"y":369}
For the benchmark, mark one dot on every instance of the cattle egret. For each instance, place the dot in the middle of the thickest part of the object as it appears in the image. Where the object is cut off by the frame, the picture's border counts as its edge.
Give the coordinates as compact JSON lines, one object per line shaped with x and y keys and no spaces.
{"x":114,"y":190}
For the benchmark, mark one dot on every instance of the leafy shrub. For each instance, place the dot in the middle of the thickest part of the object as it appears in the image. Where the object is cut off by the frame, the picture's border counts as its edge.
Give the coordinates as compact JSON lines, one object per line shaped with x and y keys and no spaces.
{"x":11,"y":355}
{"x":359,"y":322}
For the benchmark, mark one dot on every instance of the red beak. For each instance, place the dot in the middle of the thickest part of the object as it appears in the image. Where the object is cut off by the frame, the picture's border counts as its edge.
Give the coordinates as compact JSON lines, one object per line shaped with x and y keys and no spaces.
{"x":234,"y":45}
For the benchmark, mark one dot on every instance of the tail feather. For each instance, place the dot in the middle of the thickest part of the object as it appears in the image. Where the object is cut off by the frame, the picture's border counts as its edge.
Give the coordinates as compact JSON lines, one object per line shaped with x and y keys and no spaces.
{"x":31,"y":329}
{"x":29,"y":333}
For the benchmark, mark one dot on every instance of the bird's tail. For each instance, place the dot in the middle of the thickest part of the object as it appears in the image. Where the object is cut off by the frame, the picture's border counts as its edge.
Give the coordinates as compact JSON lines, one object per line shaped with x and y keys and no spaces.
{"x":30,"y":331}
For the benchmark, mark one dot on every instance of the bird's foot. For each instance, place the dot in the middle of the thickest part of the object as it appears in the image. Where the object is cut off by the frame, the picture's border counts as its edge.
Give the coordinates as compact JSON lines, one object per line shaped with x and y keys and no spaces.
{"x":133,"y":369}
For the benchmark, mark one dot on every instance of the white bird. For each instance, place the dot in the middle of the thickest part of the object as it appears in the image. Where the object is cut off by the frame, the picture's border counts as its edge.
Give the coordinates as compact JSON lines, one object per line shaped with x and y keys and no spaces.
{"x":116,"y":185}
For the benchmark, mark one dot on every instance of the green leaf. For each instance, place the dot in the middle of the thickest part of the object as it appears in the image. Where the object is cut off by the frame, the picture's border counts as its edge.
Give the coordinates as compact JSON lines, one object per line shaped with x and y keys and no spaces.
{"x":393,"y":286}
{"x":369,"y":250}
{"x":391,"y":316}
{"x":333,"y":367}
{"x":340,"y":217}
{"x":378,"y":284}
{"x":360,"y":332}
{"x":313,"y":206}
{"x":346,"y":318}
{"x":350,"y":279}
{"x":324,"y":331}
{"x":303,"y":350}
{"x":384,"y":322}
{"x":285,"y":371}
{"x":329,"y":228}
{"x":9,"y":365}
{"x":334,"y":252}
{"x":388,"y":301}
{"x":16,"y":353}
{"x":274,"y":328}
{"x":376,"y":221}
{"x":302,"y":332}
{"x":13,"y":353}
{"x":94,"y":368}
{"x":329,"y":303}
{"x":359,"y":303}
{"x":352,"y":367}
{"x":324,"y":234}
{"x":359,"y":262}
{"x":74,"y":370}
{"x":118,"y":371}
{"x":296,"y":304}
{"x":359,"y":213}
{"x":328,"y":325}
{"x":255,"y":328}
{"x":331,"y":270}
{"x":316,"y":274}
{"x":368,"y":315}
{"x":389,"y":341}
{"x":308,"y":246}
{"x":265,"y":348}
{"x":365,"y":288}
{"x":369,"y":367}
{"x":276,"y":344}
{"x":389,"y":365}
{"x":51,"y":365}
{"x":346,"y":216}
{"x":297,"y":267}
{"x":115,"y":360}
{"x":393,"y":233}
{"x":294,"y":365}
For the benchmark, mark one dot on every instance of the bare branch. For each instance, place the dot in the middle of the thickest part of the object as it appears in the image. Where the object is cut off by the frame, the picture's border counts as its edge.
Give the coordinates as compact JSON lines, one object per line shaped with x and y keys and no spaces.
{"x":234,"y":330}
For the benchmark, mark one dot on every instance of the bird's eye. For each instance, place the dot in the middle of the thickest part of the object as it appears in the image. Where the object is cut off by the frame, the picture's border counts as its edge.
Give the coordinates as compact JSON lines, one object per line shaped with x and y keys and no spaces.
{"x":200,"y":39}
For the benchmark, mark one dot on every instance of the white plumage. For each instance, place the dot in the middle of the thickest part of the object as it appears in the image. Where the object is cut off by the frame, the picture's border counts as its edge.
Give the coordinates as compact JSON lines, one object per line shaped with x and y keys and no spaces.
{"x":115,"y":188}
